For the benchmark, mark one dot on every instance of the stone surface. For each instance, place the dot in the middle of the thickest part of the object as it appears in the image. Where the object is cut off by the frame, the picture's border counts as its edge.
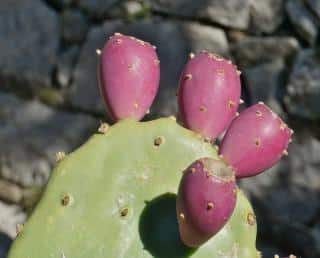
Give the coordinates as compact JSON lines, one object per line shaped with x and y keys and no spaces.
{"x":264,"y":82}
{"x":5,"y":243}
{"x":266,"y":15}
{"x":74,"y":26}
{"x":254,"y":50}
{"x":315,"y":6}
{"x":303,"y":89}
{"x":10,"y":216}
{"x":229,"y":13}
{"x":66,"y":63}
{"x":302,"y":20}
{"x":31,"y":134}
{"x":174,"y":41}
{"x":10,"y":192}
{"x":97,"y":9}
{"x":28,"y":44}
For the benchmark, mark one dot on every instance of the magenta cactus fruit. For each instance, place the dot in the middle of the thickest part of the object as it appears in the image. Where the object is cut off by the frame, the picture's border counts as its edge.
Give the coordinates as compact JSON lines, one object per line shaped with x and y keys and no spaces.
{"x":255,"y":141}
{"x":129,"y":76}
{"x":206,"y":199}
{"x":209,"y":94}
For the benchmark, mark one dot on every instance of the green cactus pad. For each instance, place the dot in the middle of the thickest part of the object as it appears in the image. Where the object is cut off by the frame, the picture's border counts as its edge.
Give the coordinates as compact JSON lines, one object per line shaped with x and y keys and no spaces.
{"x":115,"y":198}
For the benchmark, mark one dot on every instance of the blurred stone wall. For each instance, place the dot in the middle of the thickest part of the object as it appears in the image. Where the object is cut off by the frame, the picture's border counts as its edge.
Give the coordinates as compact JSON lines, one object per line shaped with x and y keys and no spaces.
{"x":49,"y":99}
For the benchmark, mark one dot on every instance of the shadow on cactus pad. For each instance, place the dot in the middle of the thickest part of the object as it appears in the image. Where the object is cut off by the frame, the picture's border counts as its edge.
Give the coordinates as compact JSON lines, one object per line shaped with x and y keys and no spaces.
{"x":158,"y":228}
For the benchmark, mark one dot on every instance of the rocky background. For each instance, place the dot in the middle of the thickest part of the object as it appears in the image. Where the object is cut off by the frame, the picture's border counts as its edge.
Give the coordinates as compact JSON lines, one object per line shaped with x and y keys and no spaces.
{"x":49,"y":100}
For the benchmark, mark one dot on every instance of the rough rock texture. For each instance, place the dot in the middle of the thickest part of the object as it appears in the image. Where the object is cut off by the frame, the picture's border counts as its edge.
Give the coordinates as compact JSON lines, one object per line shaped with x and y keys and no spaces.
{"x":31,"y":135}
{"x":254,"y":50}
{"x":96,"y":8}
{"x":287,"y":187}
{"x":302,"y":20}
{"x":266,"y":15}
{"x":174,"y":41}
{"x":229,"y":13}
{"x":10,"y":216}
{"x":74,"y":26}
{"x":27,"y":55}
{"x":303,"y":89}
{"x":264,"y":83}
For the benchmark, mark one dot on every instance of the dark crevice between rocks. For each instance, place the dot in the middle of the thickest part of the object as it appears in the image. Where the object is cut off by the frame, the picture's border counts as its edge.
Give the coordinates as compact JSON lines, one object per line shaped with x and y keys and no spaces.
{"x":245,"y":94}
{"x":58,"y":5}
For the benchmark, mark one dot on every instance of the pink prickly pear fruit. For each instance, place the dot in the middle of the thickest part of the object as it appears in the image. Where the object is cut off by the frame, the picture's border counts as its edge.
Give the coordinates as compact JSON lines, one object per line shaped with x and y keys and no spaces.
{"x":208,"y":94}
{"x":129,"y":76}
{"x":206,"y":200}
{"x":255,"y":141}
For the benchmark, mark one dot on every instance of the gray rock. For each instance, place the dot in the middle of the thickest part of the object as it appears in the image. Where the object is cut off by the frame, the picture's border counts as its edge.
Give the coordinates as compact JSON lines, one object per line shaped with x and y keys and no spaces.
{"x":263,"y":83}
{"x":303,"y":89}
{"x":5,"y":243}
{"x":266,"y":15}
{"x":65,"y":66}
{"x":29,"y":42}
{"x":255,"y":50}
{"x":302,"y":20}
{"x":96,"y":8}
{"x":10,"y":192}
{"x":174,"y":41}
{"x":31,"y":134}
{"x":315,"y":6}
{"x":10,"y":216}
{"x":229,"y":13}
{"x":74,"y":26}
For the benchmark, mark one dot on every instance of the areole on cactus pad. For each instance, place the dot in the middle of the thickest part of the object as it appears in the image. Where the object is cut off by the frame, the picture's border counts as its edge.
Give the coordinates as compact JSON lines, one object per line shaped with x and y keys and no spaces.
{"x":123,"y":194}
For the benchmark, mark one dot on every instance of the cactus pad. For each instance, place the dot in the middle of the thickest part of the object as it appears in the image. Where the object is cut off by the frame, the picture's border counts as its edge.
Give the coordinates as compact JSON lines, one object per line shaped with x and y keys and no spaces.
{"x":114,"y":197}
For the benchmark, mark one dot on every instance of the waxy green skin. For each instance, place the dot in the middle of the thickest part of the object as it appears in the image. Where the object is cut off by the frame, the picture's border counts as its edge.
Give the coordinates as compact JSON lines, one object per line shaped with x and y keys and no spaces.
{"x":109,"y":180}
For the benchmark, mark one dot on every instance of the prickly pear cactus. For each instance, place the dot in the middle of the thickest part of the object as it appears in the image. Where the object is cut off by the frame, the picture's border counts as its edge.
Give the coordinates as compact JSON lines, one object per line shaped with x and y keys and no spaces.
{"x":114,"y":197}
{"x":117,"y":196}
